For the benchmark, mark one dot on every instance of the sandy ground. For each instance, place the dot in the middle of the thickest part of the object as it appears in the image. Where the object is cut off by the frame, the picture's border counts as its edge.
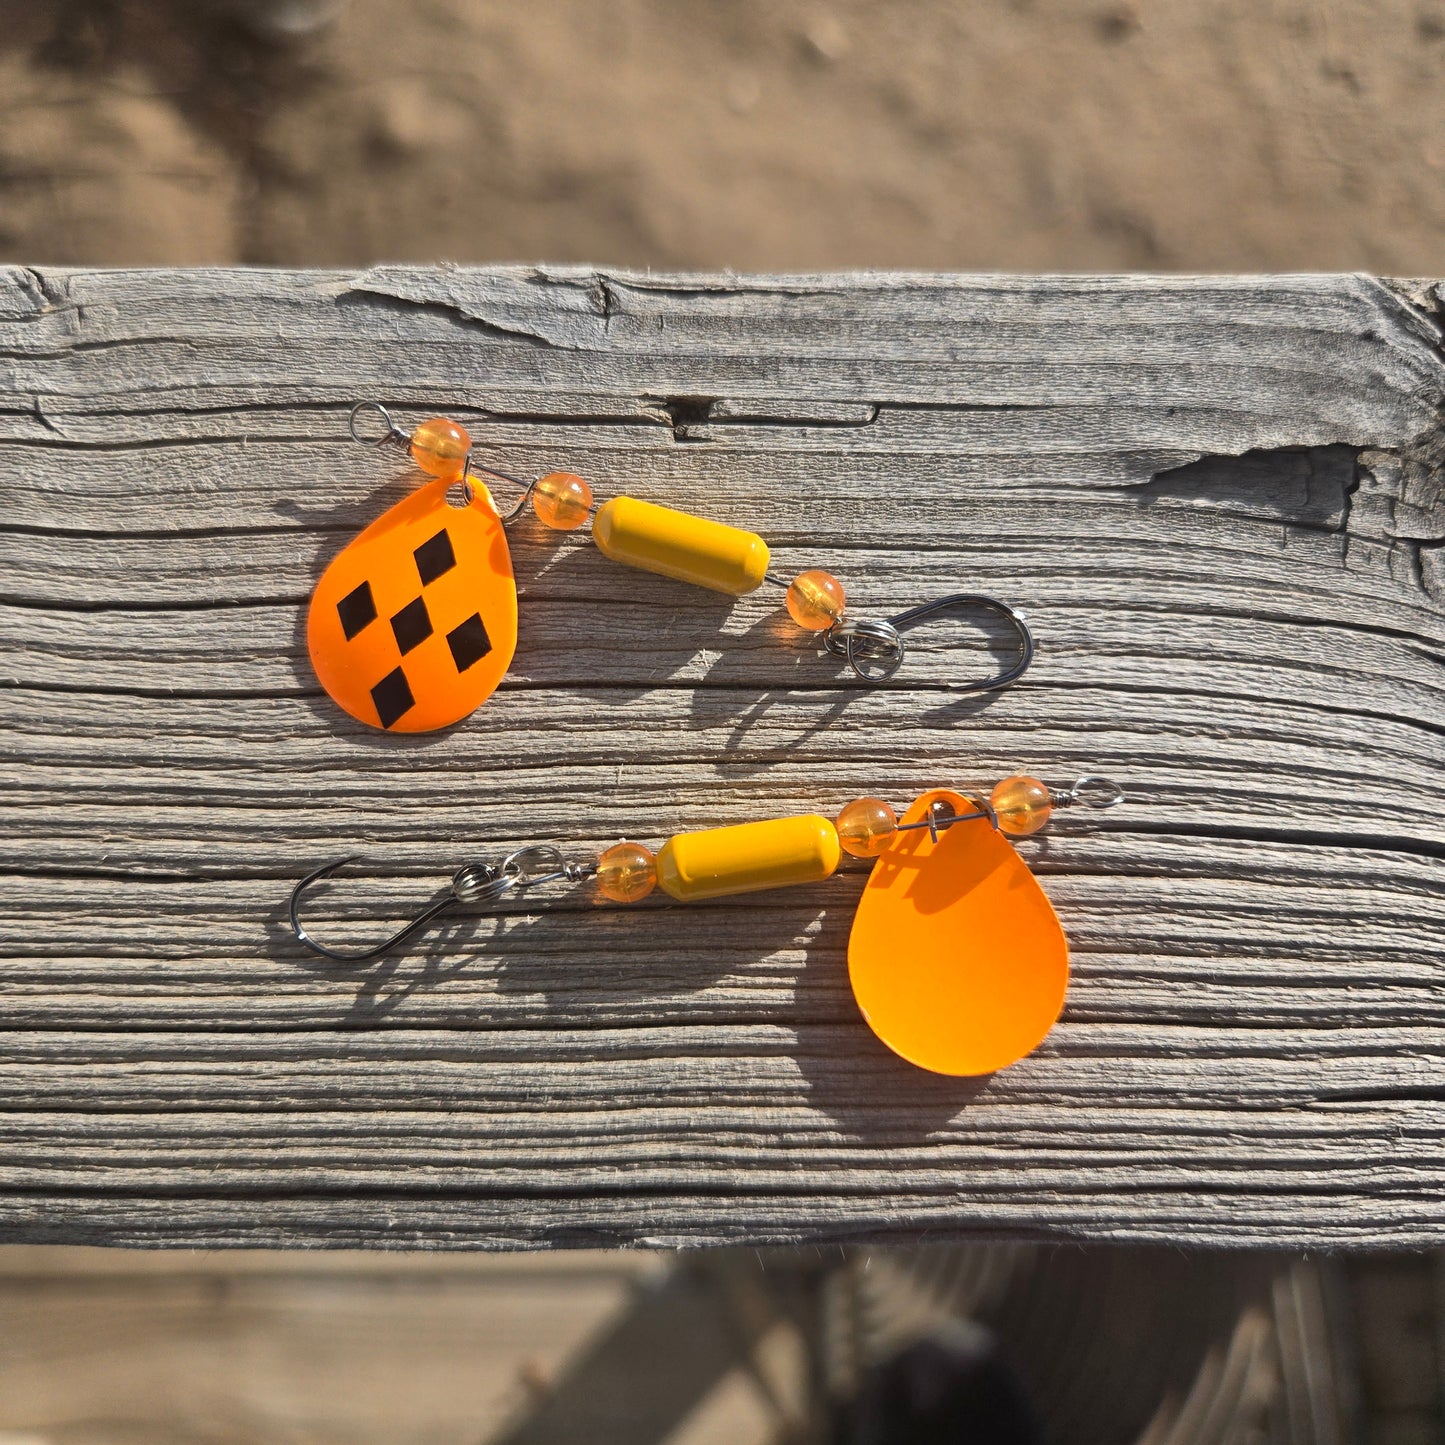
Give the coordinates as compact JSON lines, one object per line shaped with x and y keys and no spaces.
{"x":752,"y":134}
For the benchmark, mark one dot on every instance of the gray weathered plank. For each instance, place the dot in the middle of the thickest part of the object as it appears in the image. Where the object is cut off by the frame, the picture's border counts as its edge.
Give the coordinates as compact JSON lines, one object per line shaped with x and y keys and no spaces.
{"x":1221,"y":503}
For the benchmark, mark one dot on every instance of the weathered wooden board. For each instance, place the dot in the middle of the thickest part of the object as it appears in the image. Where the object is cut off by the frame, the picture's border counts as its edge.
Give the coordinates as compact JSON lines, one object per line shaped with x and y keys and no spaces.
{"x":1219,"y":501}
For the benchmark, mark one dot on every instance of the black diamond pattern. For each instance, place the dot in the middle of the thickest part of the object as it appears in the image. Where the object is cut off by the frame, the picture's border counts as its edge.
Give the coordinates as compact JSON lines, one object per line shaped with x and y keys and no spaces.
{"x":412,"y":626}
{"x":356,"y":610}
{"x":392,"y":696}
{"x":434,"y":558}
{"x":469,"y":642}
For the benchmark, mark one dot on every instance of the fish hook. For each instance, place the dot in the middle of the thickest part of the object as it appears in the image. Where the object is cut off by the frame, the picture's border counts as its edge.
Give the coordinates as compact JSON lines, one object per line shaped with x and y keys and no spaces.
{"x":472,"y":883}
{"x":879,"y":641}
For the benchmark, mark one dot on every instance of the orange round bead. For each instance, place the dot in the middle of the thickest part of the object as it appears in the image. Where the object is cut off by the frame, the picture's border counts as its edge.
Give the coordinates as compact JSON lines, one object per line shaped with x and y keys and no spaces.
{"x":562,"y":501}
{"x":815,"y":600}
{"x":1023,"y":805}
{"x":865,"y":826}
{"x":440,"y":447}
{"x":626,"y":872}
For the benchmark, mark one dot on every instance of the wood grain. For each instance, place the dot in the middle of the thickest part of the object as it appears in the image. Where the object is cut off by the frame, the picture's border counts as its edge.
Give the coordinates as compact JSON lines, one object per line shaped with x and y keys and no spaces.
{"x":1219,"y":501}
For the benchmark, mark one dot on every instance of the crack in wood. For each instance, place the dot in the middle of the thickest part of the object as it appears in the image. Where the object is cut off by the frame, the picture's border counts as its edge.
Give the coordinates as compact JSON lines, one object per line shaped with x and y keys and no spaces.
{"x":380,"y":299}
{"x":1312,"y":488}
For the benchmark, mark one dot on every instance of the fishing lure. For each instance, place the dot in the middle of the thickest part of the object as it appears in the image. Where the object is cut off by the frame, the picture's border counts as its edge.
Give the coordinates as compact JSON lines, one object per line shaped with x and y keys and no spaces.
{"x":414,"y":624}
{"x":956,"y":957}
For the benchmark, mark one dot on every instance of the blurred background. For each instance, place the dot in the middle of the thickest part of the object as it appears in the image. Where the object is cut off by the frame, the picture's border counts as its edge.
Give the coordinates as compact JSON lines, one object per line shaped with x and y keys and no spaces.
{"x":753,"y":135}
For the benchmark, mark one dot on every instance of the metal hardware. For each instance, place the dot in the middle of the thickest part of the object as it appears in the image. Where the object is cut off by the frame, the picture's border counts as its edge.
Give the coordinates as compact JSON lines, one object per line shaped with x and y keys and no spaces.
{"x":880,"y":641}
{"x":526,"y":868}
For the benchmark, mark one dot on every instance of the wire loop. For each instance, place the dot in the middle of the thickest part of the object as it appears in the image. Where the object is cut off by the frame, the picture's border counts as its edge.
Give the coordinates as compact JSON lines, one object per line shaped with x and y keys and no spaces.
{"x":393,"y":433}
{"x":507,"y":518}
{"x":1090,"y":791}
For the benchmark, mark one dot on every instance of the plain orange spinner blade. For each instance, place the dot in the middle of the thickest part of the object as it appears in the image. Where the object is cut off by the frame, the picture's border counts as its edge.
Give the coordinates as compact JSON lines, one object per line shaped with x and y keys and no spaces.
{"x":957,"y":958}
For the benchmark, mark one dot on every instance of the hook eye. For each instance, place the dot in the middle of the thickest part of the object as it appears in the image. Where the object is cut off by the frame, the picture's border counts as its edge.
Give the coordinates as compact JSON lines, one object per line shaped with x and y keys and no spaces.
{"x":481,"y":882}
{"x":537,"y":863}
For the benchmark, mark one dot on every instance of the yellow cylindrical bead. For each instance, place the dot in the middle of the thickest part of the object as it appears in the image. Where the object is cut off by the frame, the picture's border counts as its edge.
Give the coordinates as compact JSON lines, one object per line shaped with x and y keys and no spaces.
{"x":815,"y":600}
{"x":626,"y":872}
{"x":440,"y":447}
{"x":865,"y":826}
{"x":675,"y":544}
{"x":1023,"y":805}
{"x":748,"y":857}
{"x":562,"y":501}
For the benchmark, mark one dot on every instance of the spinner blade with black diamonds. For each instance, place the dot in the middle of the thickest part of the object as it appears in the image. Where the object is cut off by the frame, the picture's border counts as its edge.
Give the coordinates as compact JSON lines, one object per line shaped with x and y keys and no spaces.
{"x":414,"y":624}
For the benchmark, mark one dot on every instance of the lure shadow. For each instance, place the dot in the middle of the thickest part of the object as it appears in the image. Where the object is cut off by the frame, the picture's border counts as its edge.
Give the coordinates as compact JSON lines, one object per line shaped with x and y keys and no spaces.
{"x":814,"y":693}
{"x":343,"y":520}
{"x":386,"y":982}
{"x":870,"y":1094}
{"x":863,"y":1089}
{"x":659,"y":955}
{"x":678,"y":619}
{"x":647,"y":631}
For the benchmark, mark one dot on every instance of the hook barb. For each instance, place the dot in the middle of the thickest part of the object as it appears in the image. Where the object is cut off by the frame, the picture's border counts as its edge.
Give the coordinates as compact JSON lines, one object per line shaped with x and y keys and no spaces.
{"x":360,"y":955}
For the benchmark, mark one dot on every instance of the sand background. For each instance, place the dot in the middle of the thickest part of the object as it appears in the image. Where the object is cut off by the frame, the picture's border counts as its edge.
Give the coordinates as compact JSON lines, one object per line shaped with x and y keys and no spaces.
{"x":750,"y":134}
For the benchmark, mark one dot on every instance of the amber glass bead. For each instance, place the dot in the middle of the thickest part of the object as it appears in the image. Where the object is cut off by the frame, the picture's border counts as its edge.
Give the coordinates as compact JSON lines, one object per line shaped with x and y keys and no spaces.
{"x":815,"y":600}
{"x":440,"y":447}
{"x":865,"y":826}
{"x":1023,"y":805}
{"x":562,"y":501}
{"x":626,"y":872}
